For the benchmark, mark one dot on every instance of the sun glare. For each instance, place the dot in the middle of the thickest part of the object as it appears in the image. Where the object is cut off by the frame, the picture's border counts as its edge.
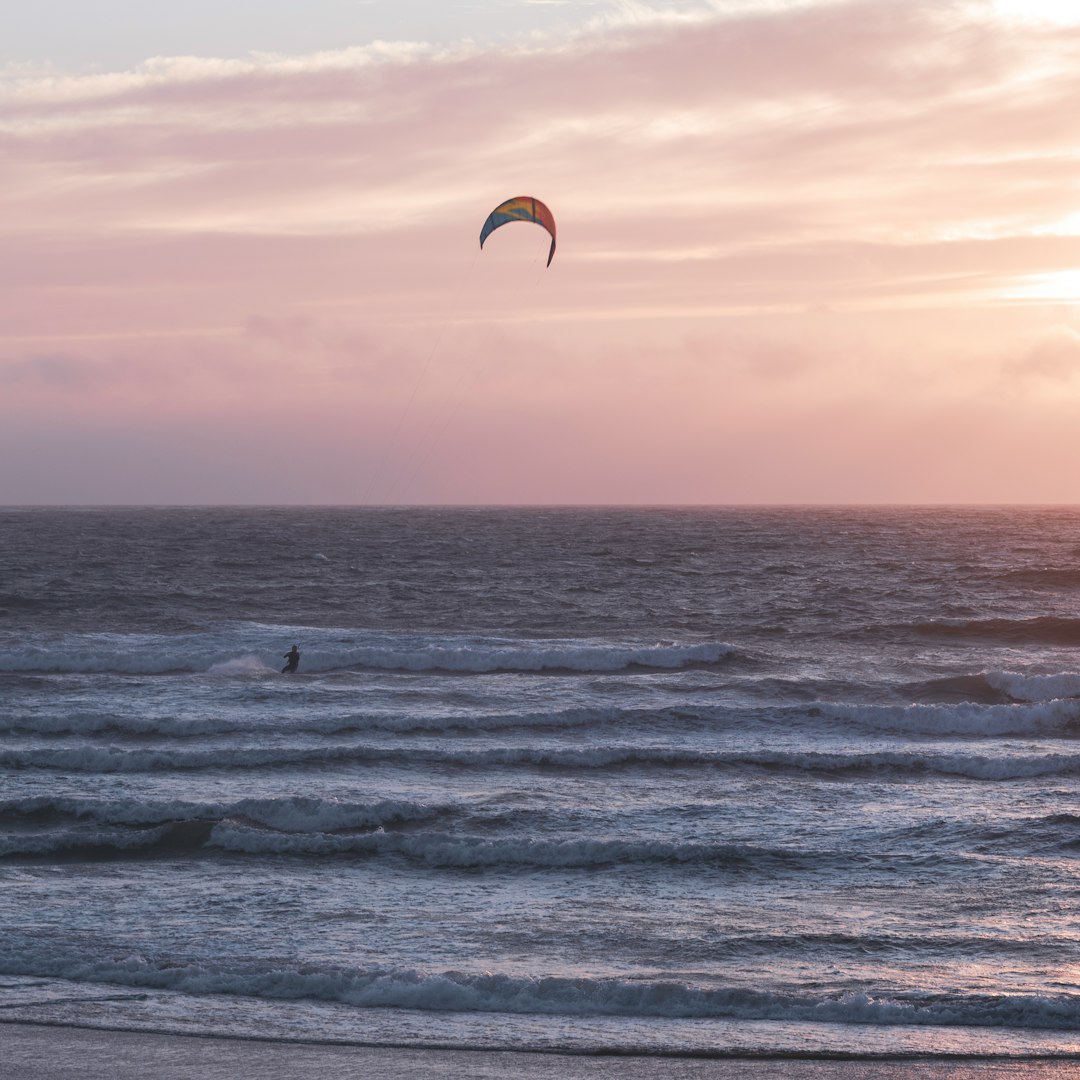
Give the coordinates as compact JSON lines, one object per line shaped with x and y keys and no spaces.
{"x":1058,"y":286}
{"x":1055,"y":11}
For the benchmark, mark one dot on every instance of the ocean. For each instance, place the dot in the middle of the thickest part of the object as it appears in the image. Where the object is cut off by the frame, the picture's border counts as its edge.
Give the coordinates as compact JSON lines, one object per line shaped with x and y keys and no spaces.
{"x":710,"y":782}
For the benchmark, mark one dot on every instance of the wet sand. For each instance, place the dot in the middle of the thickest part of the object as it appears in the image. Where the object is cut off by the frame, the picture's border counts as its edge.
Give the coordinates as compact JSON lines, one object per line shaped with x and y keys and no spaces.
{"x":44,"y":1052}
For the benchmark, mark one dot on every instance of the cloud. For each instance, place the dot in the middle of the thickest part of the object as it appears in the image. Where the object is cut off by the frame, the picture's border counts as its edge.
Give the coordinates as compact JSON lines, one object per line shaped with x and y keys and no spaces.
{"x":52,"y":369}
{"x":780,"y":226}
{"x":1054,"y":356}
{"x":862,"y":118}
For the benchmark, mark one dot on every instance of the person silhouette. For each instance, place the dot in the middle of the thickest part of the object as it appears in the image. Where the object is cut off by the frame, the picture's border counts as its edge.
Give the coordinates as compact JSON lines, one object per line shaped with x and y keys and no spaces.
{"x":293,"y":658}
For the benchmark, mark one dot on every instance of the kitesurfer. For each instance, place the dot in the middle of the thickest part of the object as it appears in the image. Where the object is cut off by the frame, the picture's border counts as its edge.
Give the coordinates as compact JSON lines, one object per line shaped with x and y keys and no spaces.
{"x":293,"y":658}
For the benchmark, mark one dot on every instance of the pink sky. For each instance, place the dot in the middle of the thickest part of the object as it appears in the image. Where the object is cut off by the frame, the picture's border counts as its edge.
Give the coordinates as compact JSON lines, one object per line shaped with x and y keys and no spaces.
{"x":822,"y":252}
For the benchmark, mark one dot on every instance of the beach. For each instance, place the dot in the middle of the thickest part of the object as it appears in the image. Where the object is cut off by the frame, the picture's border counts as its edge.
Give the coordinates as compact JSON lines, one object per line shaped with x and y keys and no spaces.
{"x":35,"y":1052}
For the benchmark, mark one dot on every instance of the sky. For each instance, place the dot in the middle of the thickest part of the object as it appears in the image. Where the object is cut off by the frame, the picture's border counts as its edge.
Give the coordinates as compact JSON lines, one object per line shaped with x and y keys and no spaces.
{"x":809,"y":251}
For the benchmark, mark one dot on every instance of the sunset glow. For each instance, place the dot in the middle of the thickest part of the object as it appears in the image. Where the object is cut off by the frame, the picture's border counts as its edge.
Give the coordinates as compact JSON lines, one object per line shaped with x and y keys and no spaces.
{"x":792,"y":237}
{"x":1063,"y":285}
{"x":1057,"y":11}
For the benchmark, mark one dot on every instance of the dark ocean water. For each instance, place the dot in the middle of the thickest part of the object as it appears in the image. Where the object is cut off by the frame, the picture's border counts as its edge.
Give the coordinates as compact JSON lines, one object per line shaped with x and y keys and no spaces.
{"x":696,"y":781}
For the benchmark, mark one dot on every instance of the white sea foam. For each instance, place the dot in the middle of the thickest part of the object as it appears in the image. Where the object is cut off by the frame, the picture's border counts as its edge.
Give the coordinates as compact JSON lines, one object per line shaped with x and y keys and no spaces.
{"x":241,"y":665}
{"x":1035,"y":687}
{"x":1053,"y":717}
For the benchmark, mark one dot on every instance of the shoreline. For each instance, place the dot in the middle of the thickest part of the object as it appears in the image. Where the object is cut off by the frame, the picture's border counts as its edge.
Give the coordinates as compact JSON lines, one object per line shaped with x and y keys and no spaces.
{"x":44,"y":1050}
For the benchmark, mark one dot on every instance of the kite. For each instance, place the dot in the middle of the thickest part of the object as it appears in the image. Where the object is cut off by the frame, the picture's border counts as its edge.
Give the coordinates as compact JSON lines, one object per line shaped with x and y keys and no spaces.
{"x":522,"y":208}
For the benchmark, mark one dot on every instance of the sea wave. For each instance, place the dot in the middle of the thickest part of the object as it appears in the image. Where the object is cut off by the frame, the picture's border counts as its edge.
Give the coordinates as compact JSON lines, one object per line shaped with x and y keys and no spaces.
{"x":1047,"y":577}
{"x":82,"y":829}
{"x":999,"y":766}
{"x":291,"y":814}
{"x":1042,"y":630}
{"x":186,"y":726}
{"x":459,"y":851}
{"x":996,"y":688}
{"x":492,"y":992}
{"x":367,"y":836}
{"x":1024,"y":706}
{"x":968,"y":689}
{"x":1056,"y":717}
{"x":74,"y":828}
{"x":80,"y":844}
{"x":245,"y":655}
{"x":1021,"y":687}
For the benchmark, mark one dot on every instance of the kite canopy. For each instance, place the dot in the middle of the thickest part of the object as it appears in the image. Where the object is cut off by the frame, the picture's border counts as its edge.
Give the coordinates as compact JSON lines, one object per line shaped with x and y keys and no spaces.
{"x":522,"y":208}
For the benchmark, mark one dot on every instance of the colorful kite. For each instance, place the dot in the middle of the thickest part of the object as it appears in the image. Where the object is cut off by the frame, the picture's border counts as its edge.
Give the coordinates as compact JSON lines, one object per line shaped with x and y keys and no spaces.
{"x":523,"y":208}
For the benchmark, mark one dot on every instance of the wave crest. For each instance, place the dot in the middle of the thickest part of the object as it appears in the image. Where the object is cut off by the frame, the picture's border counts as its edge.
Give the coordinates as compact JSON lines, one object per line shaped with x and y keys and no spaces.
{"x":464,"y":991}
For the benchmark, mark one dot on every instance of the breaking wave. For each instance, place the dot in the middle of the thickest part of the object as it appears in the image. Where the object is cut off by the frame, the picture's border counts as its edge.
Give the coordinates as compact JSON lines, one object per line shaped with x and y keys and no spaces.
{"x":992,"y":704}
{"x":1056,"y":717}
{"x":387,"y":987}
